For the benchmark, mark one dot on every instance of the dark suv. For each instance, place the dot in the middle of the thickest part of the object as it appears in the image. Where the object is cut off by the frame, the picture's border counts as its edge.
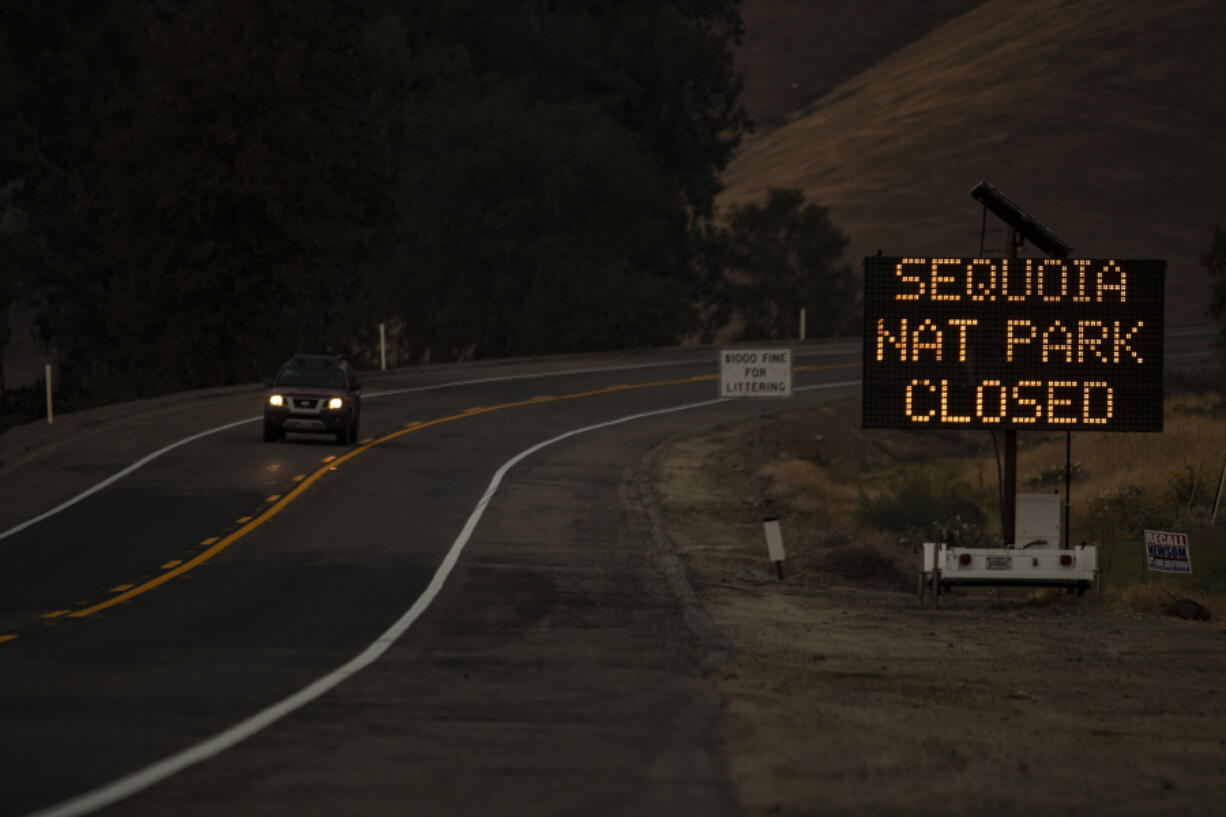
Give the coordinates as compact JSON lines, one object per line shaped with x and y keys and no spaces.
{"x":314,"y":394}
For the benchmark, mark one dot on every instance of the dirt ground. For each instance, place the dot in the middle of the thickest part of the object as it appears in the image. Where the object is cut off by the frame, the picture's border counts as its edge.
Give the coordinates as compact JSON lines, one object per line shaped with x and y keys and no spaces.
{"x":845,"y":696}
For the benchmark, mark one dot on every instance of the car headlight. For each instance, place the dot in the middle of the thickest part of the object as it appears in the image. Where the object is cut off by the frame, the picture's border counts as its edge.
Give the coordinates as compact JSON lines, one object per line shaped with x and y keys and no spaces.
{"x":335,"y":403}
{"x":276,"y":400}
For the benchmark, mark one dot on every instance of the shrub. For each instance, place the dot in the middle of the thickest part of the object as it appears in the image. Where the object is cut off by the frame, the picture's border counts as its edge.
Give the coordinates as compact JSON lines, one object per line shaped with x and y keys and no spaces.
{"x":923,"y":507}
{"x":1054,"y":475}
{"x":865,"y":567}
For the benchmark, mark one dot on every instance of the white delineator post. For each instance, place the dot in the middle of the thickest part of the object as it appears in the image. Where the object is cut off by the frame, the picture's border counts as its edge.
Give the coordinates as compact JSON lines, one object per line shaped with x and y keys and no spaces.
{"x":47,"y":377}
{"x":802,"y":323}
{"x":382,"y":347}
{"x":774,"y":543}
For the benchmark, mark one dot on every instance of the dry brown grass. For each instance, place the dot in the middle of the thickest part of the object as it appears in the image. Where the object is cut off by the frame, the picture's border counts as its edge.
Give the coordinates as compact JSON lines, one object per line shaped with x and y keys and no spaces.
{"x":1193,"y":442}
{"x":1103,"y":118}
{"x":818,"y":463}
{"x":1017,"y":702}
{"x":796,"y":51}
{"x":1149,"y":598}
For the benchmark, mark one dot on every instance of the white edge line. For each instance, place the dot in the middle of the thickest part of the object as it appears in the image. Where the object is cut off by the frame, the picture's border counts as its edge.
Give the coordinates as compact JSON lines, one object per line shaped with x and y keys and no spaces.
{"x":625,"y":367}
{"x":151,"y":457}
{"x":63,"y":506}
{"x":118,"y":476}
{"x":161,"y":770}
{"x":510,"y":377}
{"x":838,"y":385}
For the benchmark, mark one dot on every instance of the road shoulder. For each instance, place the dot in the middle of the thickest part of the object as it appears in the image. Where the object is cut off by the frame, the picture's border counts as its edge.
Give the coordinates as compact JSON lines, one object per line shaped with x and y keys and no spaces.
{"x":840,"y":698}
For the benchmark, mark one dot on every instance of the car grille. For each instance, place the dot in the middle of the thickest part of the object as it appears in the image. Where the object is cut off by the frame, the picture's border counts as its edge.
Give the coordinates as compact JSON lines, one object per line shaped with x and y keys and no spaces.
{"x":304,"y":403}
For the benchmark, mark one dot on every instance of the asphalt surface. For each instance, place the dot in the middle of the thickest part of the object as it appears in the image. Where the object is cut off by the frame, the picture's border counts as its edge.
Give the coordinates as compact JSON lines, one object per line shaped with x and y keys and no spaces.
{"x":551,"y":672}
{"x":443,"y":619}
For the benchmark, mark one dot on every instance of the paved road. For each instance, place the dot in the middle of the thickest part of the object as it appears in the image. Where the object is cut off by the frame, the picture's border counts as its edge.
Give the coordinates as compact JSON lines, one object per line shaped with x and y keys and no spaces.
{"x":551,"y":672}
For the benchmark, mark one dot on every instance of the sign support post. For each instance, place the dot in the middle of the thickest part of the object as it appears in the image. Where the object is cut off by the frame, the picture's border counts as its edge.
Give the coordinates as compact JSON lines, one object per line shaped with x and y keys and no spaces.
{"x":1008,"y":513}
{"x":757,"y":456}
{"x":1068,"y":487}
{"x":756,"y":374}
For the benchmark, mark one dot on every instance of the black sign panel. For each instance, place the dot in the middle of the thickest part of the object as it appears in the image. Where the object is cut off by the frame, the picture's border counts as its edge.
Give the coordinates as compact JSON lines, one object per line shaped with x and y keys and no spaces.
{"x":1022,"y":343}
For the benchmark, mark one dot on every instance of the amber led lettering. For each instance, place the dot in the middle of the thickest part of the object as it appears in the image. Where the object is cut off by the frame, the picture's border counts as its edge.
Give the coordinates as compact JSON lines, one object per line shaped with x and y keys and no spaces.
{"x":934,"y":344}
{"x":1049,"y":271}
{"x":938,"y":279}
{"x":980,"y":403}
{"x":1027,"y":402}
{"x":1118,"y":283}
{"x":1012,"y":338}
{"x":1118,"y":341}
{"x":1094,"y":343}
{"x":910,"y":401}
{"x":1049,"y":344}
{"x":1027,"y":280}
{"x":915,"y":279}
{"x":899,"y":341}
{"x":981,"y":287}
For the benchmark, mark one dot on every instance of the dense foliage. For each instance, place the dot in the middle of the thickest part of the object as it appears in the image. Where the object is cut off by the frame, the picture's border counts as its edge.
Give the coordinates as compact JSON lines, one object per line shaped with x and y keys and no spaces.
{"x":784,"y":255}
{"x":189,"y":191}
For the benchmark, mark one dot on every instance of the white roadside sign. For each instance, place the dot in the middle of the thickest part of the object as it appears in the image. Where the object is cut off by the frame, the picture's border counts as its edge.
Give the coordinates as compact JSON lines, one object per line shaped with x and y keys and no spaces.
{"x":755,"y":373}
{"x":1168,"y":552}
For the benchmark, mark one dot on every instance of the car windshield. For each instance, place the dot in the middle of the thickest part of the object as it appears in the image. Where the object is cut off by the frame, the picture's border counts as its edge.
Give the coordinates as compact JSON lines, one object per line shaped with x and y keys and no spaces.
{"x":320,"y":377}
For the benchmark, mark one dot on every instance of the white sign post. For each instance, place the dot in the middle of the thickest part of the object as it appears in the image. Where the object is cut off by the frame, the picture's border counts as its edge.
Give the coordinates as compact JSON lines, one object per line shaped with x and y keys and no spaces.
{"x":760,"y":373}
{"x":774,"y":543}
{"x":47,"y":377}
{"x":382,"y":347}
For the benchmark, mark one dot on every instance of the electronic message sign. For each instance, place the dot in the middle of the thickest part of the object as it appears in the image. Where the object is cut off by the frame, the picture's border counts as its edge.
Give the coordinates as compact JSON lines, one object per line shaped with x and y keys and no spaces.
{"x":1018,"y":343}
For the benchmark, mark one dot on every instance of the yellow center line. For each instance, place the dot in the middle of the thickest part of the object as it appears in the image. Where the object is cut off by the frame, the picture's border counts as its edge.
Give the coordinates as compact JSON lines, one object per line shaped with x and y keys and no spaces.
{"x":828,"y":367}
{"x":4,"y":638}
{"x":252,"y":523}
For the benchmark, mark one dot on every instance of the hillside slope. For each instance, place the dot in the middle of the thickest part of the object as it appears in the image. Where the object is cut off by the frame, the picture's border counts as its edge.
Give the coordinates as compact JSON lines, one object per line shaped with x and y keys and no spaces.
{"x":795,"y":51}
{"x":1102,"y":118}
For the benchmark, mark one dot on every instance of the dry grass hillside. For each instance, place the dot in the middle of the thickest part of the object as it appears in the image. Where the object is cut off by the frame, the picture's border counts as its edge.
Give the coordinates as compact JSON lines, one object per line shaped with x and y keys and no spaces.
{"x":1103,"y":118}
{"x":796,"y":51}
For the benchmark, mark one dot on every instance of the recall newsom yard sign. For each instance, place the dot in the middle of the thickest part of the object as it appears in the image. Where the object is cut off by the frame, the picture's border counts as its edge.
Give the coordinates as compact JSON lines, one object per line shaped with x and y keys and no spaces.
{"x":1067,"y":345}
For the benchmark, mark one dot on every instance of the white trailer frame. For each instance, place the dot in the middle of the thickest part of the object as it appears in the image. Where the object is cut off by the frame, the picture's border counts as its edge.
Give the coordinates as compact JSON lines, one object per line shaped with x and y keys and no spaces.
{"x":945,"y":566}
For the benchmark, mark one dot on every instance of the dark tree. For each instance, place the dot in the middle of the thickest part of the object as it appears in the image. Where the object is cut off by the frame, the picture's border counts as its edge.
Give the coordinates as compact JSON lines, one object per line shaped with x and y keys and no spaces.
{"x":191,"y":191}
{"x":241,"y":196}
{"x":784,"y":255}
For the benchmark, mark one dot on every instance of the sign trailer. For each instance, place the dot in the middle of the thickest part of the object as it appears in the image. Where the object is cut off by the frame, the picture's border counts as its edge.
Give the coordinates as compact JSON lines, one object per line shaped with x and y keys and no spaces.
{"x":1044,"y":344}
